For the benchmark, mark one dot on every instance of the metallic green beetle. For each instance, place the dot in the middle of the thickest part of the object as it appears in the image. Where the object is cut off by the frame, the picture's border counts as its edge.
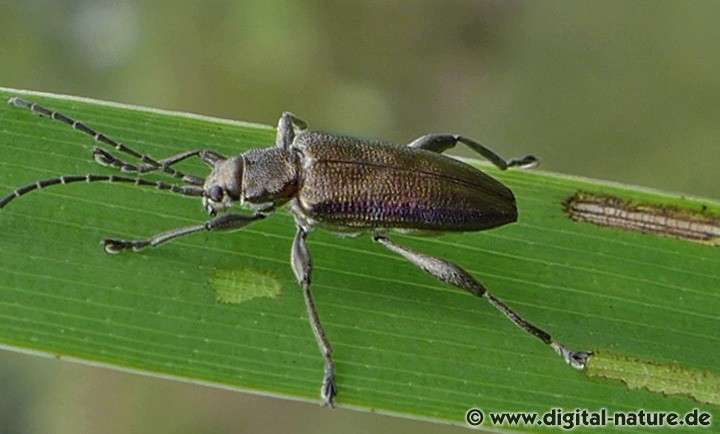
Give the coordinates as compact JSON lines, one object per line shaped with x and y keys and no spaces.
{"x":337,"y":183}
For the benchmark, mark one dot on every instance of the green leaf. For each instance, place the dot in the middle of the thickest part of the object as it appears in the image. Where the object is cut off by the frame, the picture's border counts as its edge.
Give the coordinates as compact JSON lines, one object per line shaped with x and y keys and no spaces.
{"x":404,"y":343}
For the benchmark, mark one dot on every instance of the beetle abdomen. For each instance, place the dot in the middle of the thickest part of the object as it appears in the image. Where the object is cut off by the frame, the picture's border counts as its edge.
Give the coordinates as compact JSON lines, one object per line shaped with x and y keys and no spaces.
{"x":363,"y":185}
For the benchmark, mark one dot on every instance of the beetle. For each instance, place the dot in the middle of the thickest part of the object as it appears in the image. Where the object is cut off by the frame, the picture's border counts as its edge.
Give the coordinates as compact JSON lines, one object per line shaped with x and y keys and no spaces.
{"x":337,"y":183}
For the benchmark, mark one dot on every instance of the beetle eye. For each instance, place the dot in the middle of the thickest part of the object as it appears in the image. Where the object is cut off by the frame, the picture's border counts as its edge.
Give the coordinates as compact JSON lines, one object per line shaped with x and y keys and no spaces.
{"x":215,"y":193}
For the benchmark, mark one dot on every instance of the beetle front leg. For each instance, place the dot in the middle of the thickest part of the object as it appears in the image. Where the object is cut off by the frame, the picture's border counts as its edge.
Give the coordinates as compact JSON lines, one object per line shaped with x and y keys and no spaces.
{"x":105,"y":158}
{"x":442,"y":142}
{"x":452,"y":274}
{"x":302,"y":266}
{"x":225,"y":222}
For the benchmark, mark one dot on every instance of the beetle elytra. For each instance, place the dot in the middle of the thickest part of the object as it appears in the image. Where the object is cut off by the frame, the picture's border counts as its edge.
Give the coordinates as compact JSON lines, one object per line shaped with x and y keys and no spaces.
{"x":336,"y":183}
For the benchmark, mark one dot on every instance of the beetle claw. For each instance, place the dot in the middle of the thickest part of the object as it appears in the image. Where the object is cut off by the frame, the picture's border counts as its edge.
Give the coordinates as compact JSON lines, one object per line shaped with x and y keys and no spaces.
{"x":328,"y":392}
{"x":576,"y":359}
{"x":526,"y":162}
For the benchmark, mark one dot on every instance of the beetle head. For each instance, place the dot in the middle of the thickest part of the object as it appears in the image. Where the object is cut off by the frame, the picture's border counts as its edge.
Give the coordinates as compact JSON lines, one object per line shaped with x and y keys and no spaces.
{"x":260,"y":179}
{"x":223,"y":185}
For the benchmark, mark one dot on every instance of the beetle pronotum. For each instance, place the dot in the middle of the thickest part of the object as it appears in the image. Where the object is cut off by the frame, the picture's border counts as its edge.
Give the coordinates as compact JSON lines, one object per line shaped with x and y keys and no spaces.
{"x":337,"y":183}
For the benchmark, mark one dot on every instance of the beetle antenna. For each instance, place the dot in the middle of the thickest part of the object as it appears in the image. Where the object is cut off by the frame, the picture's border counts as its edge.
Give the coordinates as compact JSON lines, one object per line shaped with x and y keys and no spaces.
{"x":185,"y":190}
{"x":151,"y":164}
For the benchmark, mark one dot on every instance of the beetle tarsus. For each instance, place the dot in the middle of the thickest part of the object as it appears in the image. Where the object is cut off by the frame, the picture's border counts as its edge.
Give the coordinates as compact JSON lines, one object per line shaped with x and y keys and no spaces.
{"x":328,"y":392}
{"x":116,"y":246}
{"x":576,"y":359}
{"x":526,"y":162}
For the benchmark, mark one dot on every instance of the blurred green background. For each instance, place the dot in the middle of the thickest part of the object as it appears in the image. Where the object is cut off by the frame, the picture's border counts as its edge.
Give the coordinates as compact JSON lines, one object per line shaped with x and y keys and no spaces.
{"x":620,"y":90}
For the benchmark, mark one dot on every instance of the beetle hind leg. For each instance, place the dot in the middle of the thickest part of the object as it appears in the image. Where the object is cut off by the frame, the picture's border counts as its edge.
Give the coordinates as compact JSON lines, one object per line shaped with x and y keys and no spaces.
{"x":442,"y":142}
{"x":452,"y":274}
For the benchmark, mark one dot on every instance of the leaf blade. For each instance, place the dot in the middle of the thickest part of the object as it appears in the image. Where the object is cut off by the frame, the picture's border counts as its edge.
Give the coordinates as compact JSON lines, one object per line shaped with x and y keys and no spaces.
{"x":403,"y":342}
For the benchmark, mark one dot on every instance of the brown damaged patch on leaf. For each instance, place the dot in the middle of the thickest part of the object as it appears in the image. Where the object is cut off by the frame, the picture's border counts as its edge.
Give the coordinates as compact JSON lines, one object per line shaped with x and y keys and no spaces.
{"x":655,"y":219}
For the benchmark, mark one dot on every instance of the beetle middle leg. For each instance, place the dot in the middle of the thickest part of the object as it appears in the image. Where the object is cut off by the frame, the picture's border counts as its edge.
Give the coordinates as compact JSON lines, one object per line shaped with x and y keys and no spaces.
{"x":452,"y":274}
{"x":286,"y":129}
{"x":442,"y":142}
{"x":302,"y":267}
